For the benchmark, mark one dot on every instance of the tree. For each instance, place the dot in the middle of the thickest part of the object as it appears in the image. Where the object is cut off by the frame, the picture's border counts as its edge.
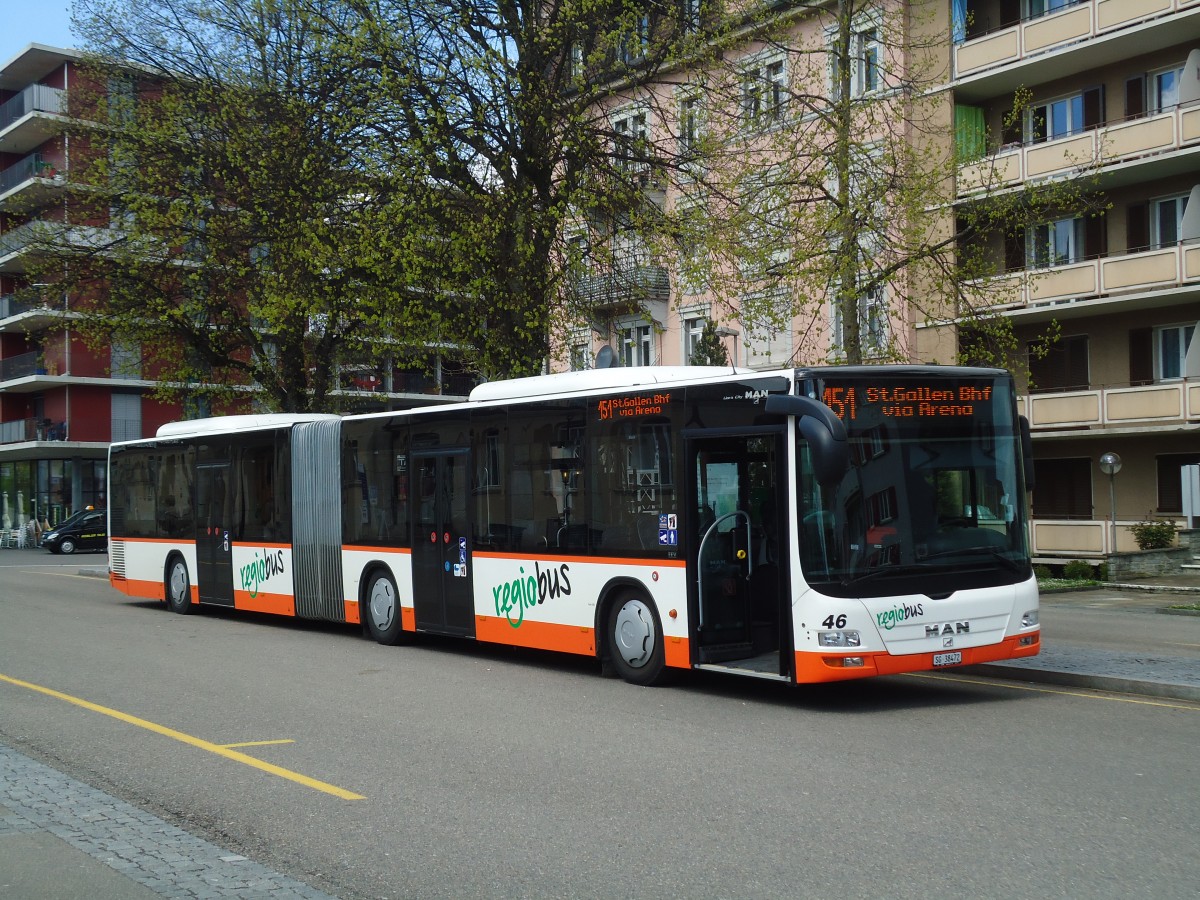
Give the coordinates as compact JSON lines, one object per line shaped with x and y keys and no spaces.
{"x":221,"y":145}
{"x":709,"y":350}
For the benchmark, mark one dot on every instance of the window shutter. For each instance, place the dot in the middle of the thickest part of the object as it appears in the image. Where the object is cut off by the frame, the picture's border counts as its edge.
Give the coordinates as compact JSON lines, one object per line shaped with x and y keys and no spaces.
{"x":1095,"y":237}
{"x":1137,"y":227}
{"x":1141,"y":356}
{"x":1014,"y":250}
{"x":1093,"y":107}
{"x":1135,"y":97}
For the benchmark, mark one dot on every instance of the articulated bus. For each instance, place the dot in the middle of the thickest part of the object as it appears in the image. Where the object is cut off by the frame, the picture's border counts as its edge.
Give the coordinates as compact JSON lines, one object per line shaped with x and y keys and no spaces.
{"x":802,"y":525}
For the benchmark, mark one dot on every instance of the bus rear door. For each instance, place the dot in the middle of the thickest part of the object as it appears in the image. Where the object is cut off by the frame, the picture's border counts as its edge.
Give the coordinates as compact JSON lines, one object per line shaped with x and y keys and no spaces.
{"x":441,"y":549}
{"x":214,"y":542}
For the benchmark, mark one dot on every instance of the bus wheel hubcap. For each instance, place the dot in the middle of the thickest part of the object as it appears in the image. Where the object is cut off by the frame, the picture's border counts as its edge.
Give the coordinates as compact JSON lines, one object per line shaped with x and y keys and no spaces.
{"x":383,"y":603}
{"x":634,"y":633}
{"x":178,"y":583}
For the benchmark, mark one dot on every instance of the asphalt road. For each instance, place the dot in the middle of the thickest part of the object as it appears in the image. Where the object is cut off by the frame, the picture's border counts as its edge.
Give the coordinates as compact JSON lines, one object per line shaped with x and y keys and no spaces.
{"x":487,"y":772}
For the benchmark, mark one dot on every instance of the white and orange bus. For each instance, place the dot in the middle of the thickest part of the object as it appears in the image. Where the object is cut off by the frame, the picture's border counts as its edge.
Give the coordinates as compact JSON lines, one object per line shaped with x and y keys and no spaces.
{"x":801,"y":525}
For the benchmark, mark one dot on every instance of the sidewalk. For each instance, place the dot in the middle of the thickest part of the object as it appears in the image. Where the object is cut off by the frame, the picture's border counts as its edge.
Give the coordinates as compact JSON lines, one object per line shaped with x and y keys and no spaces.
{"x":1163,"y":662}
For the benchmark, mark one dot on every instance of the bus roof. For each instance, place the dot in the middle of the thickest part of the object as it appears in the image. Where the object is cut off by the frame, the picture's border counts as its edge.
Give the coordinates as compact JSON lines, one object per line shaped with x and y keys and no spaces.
{"x":239,"y":423}
{"x":620,"y":377}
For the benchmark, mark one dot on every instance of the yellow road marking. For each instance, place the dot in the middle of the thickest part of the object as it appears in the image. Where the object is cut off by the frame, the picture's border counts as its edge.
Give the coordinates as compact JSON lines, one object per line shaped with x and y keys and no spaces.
{"x":1140,"y":701}
{"x":200,"y":743}
{"x":258,"y":743}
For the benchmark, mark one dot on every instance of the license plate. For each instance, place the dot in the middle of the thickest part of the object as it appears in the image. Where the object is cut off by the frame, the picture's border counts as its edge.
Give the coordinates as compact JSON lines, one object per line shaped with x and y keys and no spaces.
{"x":947,"y":659}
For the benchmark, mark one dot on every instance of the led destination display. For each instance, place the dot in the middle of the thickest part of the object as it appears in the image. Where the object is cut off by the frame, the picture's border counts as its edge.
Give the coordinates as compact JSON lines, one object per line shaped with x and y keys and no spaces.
{"x":907,"y":400}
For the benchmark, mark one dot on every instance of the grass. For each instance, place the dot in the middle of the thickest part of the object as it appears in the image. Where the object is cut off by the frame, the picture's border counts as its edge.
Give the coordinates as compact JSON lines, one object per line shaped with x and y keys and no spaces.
{"x":1053,"y":585}
{"x":1191,"y":607}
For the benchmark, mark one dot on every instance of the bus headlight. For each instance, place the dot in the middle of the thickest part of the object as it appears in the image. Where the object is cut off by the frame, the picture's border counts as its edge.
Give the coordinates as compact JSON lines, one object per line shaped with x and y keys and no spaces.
{"x":839,"y":639}
{"x":1029,"y":619}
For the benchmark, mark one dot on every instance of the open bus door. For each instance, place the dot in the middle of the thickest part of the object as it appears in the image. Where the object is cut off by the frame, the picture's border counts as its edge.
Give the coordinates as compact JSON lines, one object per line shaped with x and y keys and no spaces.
{"x":737,"y":559}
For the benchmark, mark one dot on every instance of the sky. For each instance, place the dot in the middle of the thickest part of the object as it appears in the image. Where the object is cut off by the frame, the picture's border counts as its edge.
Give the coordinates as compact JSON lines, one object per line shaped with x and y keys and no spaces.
{"x":23,"y":22}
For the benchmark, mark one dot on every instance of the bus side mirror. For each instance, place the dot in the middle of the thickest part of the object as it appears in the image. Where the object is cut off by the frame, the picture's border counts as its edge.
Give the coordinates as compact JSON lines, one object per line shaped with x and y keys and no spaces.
{"x":1027,"y":452}
{"x":824,"y":431}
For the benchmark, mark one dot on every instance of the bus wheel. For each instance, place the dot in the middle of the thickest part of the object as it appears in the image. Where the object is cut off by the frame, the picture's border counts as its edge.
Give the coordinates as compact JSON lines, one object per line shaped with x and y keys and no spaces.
{"x":383,"y":610}
{"x":636,"y":641}
{"x":179,"y":587}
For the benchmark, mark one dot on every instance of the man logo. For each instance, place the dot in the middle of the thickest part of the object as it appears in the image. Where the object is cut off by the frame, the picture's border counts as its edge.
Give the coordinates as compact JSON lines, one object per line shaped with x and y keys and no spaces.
{"x":947,"y":628}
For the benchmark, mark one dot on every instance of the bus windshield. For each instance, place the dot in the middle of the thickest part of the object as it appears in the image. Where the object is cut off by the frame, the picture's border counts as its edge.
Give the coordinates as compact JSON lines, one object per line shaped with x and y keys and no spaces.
{"x":932,"y":499}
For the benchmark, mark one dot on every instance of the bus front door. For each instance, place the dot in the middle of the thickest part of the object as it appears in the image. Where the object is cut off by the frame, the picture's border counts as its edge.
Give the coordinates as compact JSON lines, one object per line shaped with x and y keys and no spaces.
{"x":739,"y":569}
{"x":441,"y":548}
{"x":214,"y":547}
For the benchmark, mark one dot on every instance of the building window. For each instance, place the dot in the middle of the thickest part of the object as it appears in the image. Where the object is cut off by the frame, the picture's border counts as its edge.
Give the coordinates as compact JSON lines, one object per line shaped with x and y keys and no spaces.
{"x":630,"y":140}
{"x":1062,"y":366}
{"x":1170,"y":350}
{"x":1064,"y":488}
{"x":1170,"y":480}
{"x":693,"y":331}
{"x":1056,"y":243}
{"x":581,"y":355}
{"x":689,"y":125}
{"x":1065,"y":116}
{"x":764,"y":93}
{"x":637,"y":345}
{"x":1166,"y":215}
{"x":1165,"y":88}
{"x":636,"y":41}
{"x":873,"y":327}
{"x":1039,"y":8}
{"x":864,"y":53}
{"x":692,"y":10}
{"x":576,"y":61}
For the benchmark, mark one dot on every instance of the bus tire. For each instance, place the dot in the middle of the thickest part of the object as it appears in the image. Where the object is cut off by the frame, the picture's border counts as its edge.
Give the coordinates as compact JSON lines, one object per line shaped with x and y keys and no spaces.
{"x":635,"y":640}
{"x":384,"y":622}
{"x":178,"y":586}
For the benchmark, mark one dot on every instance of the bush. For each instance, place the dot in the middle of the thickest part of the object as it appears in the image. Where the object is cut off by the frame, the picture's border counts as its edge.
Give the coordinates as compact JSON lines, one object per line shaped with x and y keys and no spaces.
{"x":1078,"y":570}
{"x":1153,"y":534}
{"x":1102,"y":572}
{"x":1042,"y":573}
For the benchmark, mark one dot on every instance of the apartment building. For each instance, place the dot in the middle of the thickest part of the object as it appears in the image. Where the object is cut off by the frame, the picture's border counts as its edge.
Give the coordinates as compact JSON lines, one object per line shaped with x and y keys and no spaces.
{"x":61,"y":401}
{"x":1113,"y":85}
{"x":1106,"y":87}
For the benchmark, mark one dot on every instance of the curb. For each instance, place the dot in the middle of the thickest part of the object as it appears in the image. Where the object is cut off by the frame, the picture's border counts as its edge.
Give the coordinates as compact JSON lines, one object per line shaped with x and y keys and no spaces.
{"x":1162,"y":689}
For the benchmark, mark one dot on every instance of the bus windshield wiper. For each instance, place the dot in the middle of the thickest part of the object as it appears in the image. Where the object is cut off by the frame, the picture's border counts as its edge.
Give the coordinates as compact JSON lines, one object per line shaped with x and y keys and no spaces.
{"x":994,"y":552}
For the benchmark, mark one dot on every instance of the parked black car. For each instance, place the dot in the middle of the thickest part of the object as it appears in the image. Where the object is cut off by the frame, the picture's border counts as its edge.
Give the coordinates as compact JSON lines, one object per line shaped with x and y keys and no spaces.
{"x":86,"y":530}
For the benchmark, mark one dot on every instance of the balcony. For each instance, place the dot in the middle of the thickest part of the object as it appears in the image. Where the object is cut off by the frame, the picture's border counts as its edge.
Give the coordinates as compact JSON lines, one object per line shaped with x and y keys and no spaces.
{"x":40,"y":236}
{"x":1155,"y":138}
{"x":626,"y":289}
{"x":24,"y":431}
{"x":27,"y":119}
{"x":1139,"y":407}
{"x":32,"y":179}
{"x":1161,"y":272}
{"x":1074,"y":26}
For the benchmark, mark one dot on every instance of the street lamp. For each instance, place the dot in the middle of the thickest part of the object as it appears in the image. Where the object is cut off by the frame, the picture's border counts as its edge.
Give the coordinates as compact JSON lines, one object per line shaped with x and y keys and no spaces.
{"x":725,"y":331}
{"x":1110,"y":465}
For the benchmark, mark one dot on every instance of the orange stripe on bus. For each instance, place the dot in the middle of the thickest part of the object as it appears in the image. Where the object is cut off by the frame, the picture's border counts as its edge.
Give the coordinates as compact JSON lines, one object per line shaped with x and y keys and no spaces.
{"x":279,"y":604}
{"x":133,"y":587}
{"x":819,"y":666}
{"x":538,"y":635}
{"x":357,"y":549}
{"x":408,"y":618}
{"x":351,"y":612}
{"x":266,"y":545}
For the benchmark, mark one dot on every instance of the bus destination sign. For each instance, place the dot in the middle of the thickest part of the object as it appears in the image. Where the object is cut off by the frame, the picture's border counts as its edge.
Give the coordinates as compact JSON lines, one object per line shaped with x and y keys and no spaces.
{"x":907,"y":401}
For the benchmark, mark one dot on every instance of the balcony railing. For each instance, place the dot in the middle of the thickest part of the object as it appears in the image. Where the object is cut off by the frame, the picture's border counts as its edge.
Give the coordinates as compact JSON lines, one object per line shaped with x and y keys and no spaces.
{"x":12,"y":305}
{"x":1112,"y":407}
{"x":21,"y":366}
{"x":1149,"y":270}
{"x":625,"y":285}
{"x":35,"y":98}
{"x":1081,"y":538}
{"x":1163,"y":132}
{"x":1058,"y":29}
{"x":24,"y":430}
